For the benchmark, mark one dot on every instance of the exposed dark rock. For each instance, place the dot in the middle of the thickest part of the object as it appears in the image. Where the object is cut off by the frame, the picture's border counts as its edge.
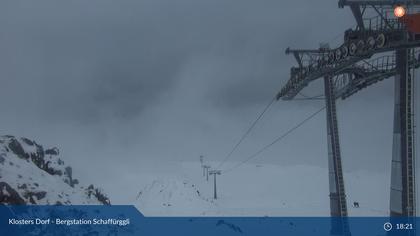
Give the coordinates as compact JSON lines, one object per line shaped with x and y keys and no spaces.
{"x":2,"y":158}
{"x":51,"y":170}
{"x":31,"y":195}
{"x":17,"y":149}
{"x":8,"y":196}
{"x":38,"y":159}
{"x":91,"y":190}
{"x":52,"y":151}
{"x":40,"y":195}
{"x":68,"y":172}
{"x":27,"y":141}
{"x":23,"y":186}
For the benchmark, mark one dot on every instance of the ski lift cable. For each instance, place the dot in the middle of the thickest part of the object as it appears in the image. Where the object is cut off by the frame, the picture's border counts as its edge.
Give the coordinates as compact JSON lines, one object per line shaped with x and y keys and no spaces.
{"x":317,"y":97}
{"x":247,"y":132}
{"x":275,"y":141}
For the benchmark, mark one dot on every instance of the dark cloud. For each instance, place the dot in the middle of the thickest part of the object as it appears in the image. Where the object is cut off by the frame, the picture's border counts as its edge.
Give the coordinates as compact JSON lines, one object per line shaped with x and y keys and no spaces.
{"x":101,"y":57}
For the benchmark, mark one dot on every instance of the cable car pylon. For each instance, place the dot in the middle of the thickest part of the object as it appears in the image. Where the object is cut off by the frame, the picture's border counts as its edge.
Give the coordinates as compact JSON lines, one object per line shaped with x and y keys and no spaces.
{"x":378,"y":48}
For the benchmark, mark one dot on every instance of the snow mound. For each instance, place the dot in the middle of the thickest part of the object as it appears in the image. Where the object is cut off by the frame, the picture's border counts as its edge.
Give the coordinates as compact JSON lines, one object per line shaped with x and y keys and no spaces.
{"x":29,"y":174}
{"x":173,"y":197}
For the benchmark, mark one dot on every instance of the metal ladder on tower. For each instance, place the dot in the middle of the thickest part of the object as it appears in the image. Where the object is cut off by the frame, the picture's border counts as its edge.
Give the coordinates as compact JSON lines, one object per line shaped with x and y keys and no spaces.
{"x":410,"y":178}
{"x":337,"y":158}
{"x":336,"y":155}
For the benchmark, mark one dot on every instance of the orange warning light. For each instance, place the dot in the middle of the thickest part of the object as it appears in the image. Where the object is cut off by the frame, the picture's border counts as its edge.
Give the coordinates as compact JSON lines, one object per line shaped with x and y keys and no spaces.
{"x":399,"y":11}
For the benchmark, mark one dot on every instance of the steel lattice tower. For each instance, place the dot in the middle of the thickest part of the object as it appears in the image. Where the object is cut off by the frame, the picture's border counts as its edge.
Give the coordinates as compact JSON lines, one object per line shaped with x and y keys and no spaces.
{"x":379,"y":47}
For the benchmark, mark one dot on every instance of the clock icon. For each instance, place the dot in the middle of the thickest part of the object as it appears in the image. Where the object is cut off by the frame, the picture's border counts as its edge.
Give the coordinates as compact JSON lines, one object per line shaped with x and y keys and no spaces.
{"x":387,"y":227}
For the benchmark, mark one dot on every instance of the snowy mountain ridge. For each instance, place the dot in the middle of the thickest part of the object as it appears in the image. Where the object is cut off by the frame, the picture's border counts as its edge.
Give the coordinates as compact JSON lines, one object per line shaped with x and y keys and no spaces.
{"x":30,"y":174}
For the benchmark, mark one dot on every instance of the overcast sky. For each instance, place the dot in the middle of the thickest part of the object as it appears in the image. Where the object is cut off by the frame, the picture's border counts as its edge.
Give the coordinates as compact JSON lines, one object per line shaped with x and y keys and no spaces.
{"x":121,"y":84}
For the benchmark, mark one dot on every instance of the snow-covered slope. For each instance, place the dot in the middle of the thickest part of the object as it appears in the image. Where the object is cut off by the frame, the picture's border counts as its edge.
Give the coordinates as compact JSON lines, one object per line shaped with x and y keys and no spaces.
{"x":173,"y":197}
{"x":257,"y":190}
{"x":30,"y":174}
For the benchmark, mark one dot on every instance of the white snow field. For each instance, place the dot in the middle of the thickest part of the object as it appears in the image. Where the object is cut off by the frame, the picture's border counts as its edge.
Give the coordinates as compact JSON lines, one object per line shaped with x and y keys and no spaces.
{"x":258,"y":190}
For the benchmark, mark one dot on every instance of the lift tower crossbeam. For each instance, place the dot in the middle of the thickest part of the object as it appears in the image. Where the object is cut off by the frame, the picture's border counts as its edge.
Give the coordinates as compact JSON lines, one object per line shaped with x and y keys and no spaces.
{"x":358,"y":46}
{"x":366,"y":73}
